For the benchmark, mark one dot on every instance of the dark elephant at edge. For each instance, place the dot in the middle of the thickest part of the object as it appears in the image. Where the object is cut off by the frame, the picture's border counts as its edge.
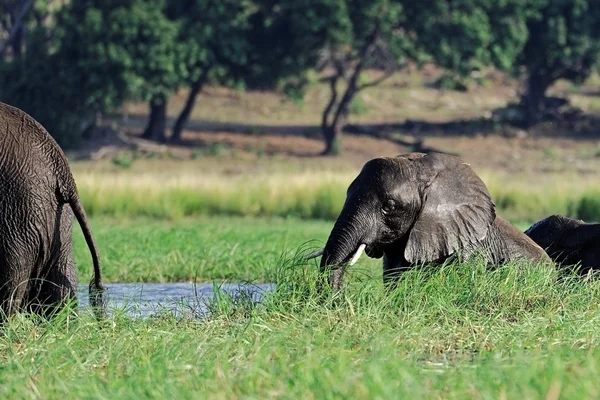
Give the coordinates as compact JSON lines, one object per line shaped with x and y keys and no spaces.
{"x":417,"y":208}
{"x":568,"y":241}
{"x":37,"y":203}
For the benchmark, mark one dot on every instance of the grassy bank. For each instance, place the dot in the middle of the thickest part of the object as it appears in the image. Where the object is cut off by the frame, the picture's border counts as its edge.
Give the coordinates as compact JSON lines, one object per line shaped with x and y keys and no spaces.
{"x":455,"y":332}
{"x":199,"y":249}
{"x":192,"y":189}
{"x":202,"y":249}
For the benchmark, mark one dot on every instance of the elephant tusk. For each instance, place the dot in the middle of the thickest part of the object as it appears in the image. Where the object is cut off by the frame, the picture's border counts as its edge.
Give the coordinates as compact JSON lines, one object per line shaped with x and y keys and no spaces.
{"x":315,"y":254}
{"x":357,"y":254}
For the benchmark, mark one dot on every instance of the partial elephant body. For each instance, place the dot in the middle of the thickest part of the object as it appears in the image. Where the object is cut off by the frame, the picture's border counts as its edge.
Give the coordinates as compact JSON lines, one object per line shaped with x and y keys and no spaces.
{"x":506,"y":243}
{"x":503,"y":243}
{"x":37,"y":204}
{"x":418,"y":208}
{"x":568,"y":241}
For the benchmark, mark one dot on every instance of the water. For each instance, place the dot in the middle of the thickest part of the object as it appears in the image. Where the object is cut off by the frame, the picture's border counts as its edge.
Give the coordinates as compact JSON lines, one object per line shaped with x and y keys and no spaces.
{"x":180,"y":299}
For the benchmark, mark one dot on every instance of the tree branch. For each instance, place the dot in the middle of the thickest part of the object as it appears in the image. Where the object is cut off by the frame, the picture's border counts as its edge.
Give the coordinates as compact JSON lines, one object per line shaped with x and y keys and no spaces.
{"x":375,"y":82}
{"x":333,"y":87}
{"x":352,"y":87}
{"x":18,"y":24}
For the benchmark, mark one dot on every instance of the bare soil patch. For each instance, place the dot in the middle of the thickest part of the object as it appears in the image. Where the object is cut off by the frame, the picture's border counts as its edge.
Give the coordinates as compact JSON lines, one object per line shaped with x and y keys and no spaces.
{"x":244,"y":127}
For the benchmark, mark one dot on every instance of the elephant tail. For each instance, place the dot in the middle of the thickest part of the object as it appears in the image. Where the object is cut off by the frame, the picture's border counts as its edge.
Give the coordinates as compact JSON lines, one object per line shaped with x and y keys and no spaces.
{"x":96,"y":287}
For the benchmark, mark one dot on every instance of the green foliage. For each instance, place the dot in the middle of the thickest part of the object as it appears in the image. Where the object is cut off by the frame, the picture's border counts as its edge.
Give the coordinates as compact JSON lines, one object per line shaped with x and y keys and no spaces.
{"x":546,"y":39}
{"x":119,"y":50}
{"x":588,"y":207}
{"x":95,"y":55}
{"x":232,"y":248}
{"x":217,"y":149}
{"x":213,"y":39}
{"x":465,"y":35}
{"x":562,"y":44}
{"x":562,"y":39}
{"x":122,"y":160}
{"x":456,"y":332}
{"x":451,"y":82}
{"x":197,"y":154}
{"x":345,"y":35}
{"x":358,"y":107}
{"x":551,"y":152}
{"x":40,"y":84}
{"x":287,"y":39}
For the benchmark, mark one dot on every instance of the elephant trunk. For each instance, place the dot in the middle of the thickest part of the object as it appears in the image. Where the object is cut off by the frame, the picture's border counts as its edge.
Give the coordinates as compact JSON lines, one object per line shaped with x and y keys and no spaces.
{"x":346,"y":242}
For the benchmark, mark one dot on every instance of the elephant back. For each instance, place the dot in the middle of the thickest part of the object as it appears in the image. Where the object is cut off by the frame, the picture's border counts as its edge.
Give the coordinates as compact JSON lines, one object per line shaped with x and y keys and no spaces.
{"x":29,"y":153}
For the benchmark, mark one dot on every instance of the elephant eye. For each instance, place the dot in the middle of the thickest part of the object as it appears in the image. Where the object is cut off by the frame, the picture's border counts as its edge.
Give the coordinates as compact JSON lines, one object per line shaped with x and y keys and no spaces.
{"x":388,"y":206}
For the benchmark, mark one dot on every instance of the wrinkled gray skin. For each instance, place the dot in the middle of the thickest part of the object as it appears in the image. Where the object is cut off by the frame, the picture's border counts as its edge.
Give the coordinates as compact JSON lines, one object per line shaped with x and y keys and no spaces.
{"x":568,"y":241}
{"x":38,"y":199}
{"x":417,"y":208}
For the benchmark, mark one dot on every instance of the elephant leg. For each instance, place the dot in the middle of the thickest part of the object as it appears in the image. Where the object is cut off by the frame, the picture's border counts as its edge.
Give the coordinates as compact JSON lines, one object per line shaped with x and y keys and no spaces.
{"x":59,"y":284}
{"x":393,"y":266}
{"x":15,"y":283}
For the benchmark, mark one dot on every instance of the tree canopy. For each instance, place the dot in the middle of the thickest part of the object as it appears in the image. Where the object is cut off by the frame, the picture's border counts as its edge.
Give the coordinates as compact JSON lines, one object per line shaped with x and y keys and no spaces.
{"x":91,"y":56}
{"x":345,"y":37}
{"x":214,"y":45}
{"x":563,"y":43}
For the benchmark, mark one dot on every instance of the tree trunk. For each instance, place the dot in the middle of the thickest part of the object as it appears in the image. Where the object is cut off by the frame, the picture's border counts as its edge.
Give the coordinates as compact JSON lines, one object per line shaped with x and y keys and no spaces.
{"x":332,"y":131}
{"x":537,"y":84}
{"x":157,"y":122}
{"x":17,"y":43}
{"x":15,"y":36}
{"x":332,"y":135}
{"x":327,"y":129}
{"x":195,"y":88}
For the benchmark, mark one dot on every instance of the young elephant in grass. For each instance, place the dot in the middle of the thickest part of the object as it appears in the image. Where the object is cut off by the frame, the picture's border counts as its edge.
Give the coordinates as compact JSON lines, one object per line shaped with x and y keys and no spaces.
{"x":418,"y":208}
{"x":37,"y":203}
{"x":568,"y":241}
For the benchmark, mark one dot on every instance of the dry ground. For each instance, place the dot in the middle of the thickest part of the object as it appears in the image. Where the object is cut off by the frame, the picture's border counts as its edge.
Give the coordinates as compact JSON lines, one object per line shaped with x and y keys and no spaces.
{"x":246,"y":127}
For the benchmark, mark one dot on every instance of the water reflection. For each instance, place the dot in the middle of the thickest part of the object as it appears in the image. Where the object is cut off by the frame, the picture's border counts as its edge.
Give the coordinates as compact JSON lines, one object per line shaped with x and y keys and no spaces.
{"x":148,"y":299}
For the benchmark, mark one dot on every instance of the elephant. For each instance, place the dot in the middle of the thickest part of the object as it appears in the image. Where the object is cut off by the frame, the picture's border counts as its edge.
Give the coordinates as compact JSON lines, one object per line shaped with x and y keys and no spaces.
{"x":420,"y":208}
{"x":38,"y":202}
{"x":568,"y":241}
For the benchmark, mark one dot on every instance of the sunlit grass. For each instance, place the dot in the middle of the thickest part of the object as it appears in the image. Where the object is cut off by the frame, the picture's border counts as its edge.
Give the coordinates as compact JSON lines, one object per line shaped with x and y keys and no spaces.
{"x":196,"y":250}
{"x":459,"y":331}
{"x":303,"y":193}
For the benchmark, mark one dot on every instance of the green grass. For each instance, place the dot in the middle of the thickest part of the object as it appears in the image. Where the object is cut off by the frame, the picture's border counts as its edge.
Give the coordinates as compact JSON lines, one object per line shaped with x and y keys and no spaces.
{"x":200,"y":249}
{"x":459,"y":331}
{"x":213,"y":187}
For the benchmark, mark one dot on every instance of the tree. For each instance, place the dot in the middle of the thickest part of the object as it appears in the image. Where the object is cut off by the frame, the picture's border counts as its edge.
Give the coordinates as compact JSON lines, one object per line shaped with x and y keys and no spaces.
{"x":90,"y":57}
{"x":214,"y":44}
{"x":465,"y":35}
{"x":374,"y":33}
{"x":39,"y":83}
{"x":14,"y":13}
{"x":347,"y":36}
{"x":36,"y":79}
{"x":156,"y":68}
{"x":548,"y":39}
{"x":121,"y":50}
{"x":563,"y":44}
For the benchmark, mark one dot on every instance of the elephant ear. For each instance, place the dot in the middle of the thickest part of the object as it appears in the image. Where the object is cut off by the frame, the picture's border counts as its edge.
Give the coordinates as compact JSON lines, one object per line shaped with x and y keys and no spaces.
{"x":457,"y":210}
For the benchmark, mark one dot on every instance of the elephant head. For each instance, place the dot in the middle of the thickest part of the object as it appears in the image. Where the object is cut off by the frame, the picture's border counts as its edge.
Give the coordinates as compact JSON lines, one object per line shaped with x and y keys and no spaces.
{"x":568,"y":241}
{"x":413,"y":207}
